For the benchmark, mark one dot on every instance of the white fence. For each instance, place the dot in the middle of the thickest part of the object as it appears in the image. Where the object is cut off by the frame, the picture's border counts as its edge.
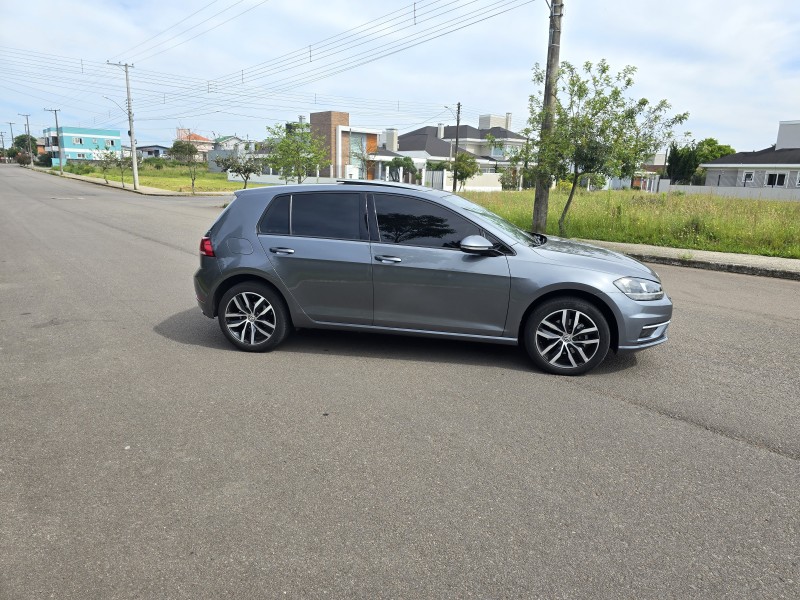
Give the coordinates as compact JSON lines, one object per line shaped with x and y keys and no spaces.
{"x":759,"y":193}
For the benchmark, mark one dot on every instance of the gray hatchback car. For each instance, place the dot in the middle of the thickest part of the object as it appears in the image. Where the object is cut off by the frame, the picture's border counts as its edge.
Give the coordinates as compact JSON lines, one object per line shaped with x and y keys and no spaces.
{"x":394,"y":258}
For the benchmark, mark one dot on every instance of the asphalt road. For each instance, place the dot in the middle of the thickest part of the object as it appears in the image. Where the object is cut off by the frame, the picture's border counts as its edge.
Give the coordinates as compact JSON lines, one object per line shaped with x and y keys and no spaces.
{"x":142,"y":457}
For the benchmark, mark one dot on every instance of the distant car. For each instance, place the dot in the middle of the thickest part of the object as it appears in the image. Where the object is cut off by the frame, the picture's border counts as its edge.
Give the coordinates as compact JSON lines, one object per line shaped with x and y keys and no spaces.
{"x":394,"y":258}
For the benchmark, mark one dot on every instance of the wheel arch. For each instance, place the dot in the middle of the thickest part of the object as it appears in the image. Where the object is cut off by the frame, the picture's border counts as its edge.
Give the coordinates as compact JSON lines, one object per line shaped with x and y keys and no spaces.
{"x":243,"y":277}
{"x":594,"y":300}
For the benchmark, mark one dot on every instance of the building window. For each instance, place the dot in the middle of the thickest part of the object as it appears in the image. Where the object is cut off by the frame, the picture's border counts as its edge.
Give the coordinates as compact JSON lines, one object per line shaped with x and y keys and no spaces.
{"x":109,"y":143}
{"x":775,"y":180}
{"x":798,"y":179}
{"x":77,"y":140}
{"x":81,"y":155}
{"x":747,"y":177}
{"x":94,"y":141}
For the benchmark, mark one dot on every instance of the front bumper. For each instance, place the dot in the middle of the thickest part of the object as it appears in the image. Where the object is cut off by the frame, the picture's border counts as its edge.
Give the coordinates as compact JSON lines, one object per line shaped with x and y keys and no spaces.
{"x":644,"y":324}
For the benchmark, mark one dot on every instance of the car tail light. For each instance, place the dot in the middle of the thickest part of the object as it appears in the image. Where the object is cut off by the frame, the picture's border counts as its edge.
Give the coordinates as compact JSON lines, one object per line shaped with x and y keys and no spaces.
{"x":206,"y":249}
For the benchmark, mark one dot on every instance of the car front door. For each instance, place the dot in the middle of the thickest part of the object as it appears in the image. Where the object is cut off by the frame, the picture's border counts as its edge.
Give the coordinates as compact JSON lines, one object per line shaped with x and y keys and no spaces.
{"x":317,"y":242}
{"x":423,"y":281}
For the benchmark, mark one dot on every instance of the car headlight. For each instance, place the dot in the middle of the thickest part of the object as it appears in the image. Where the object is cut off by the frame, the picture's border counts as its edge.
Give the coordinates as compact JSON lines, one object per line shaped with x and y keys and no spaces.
{"x":640,"y":289}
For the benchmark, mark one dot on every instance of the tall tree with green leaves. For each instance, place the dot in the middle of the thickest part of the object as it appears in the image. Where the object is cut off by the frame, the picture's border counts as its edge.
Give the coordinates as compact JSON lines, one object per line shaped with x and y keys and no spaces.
{"x":295,"y":151}
{"x":597,"y":128}
{"x":106,"y":160}
{"x":242,"y":166}
{"x":465,"y":166}
{"x":682,"y":163}
{"x":710,"y":149}
{"x":186,"y":153}
{"x":405,"y":163}
{"x":25,"y":143}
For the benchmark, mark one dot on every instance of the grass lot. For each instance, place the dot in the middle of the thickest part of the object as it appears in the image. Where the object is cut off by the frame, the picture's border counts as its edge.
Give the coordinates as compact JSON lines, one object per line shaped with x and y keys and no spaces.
{"x":170,"y":177}
{"x":701,"y":222}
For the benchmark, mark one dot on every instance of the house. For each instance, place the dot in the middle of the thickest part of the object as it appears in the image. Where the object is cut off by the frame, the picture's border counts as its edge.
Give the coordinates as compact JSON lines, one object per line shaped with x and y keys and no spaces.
{"x":154,"y":151}
{"x":80,"y":143}
{"x":776,"y":167}
{"x":228,"y":142}
{"x":348,"y":146}
{"x":203,"y":144}
{"x":437,"y":143}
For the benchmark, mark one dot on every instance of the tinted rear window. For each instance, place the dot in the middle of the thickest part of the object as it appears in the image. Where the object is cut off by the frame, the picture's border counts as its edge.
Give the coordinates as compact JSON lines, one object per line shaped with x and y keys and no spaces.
{"x":326,"y":215}
{"x":276,"y":219}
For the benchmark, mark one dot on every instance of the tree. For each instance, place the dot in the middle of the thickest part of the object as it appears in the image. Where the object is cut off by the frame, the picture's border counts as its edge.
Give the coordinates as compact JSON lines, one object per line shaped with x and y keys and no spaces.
{"x":123,"y":164}
{"x":106,"y":160}
{"x":710,"y":149}
{"x":397,"y":163}
{"x":186,"y":153}
{"x":295,"y":151}
{"x":464,"y":167}
{"x":597,"y":128}
{"x":682,"y":163}
{"x":25,"y":143}
{"x":23,"y":159}
{"x":365,"y":159}
{"x":241,"y":166}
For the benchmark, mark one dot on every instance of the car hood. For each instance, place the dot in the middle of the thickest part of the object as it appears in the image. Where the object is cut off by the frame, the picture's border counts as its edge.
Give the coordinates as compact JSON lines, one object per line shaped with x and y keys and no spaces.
{"x":587,"y":256}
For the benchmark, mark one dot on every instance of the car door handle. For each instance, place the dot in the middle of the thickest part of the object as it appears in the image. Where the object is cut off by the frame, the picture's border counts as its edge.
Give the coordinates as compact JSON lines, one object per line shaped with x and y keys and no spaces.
{"x":388,"y":259}
{"x":277,"y":250}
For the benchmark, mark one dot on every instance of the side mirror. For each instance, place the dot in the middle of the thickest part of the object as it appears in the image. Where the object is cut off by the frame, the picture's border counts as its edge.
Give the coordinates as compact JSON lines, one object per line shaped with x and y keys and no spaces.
{"x":476,"y":244}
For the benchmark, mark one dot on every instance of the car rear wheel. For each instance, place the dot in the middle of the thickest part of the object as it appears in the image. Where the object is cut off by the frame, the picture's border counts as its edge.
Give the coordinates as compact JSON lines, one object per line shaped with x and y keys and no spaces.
{"x":253,"y":317}
{"x":567,"y":336}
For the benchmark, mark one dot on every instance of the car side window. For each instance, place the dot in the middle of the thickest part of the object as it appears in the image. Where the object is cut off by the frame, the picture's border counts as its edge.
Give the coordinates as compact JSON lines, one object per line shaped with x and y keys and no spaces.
{"x":276,"y":219}
{"x":414,"y":222}
{"x":326,"y":215}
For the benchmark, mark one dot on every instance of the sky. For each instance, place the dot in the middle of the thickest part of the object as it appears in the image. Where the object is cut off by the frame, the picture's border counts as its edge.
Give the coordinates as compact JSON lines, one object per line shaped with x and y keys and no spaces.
{"x":225,"y":67}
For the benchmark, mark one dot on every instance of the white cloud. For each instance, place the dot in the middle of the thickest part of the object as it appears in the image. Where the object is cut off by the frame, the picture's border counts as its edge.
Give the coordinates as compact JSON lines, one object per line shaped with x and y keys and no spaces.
{"x":734,"y":66}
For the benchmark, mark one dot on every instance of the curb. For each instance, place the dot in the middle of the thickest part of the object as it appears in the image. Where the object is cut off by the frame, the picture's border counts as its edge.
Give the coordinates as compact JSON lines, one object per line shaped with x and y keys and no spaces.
{"x":717,"y":266}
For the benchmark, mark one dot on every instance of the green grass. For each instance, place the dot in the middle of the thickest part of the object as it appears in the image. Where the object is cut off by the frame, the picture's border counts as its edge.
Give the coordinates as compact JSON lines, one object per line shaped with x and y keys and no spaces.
{"x":695,"y":222}
{"x":700,"y":222}
{"x":174,"y":178}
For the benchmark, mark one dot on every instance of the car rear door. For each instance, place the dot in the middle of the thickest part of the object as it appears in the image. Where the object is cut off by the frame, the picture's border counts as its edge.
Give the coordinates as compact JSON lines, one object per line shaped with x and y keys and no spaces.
{"x":317,"y":242}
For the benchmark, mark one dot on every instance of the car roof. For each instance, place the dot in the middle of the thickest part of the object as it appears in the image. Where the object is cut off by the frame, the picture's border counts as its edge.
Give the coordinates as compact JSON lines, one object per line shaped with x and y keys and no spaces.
{"x":364,"y":185}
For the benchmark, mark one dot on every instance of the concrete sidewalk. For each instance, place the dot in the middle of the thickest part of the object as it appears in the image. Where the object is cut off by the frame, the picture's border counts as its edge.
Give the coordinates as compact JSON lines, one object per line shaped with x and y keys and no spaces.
{"x":765,"y":266}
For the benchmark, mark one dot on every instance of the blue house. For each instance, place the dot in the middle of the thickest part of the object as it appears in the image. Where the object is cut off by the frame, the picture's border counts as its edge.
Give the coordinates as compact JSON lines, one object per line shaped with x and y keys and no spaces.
{"x":80,"y":143}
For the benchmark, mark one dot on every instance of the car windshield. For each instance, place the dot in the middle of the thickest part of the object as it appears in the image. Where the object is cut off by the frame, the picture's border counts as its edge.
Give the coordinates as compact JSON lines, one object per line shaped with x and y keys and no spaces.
{"x":529,"y":239}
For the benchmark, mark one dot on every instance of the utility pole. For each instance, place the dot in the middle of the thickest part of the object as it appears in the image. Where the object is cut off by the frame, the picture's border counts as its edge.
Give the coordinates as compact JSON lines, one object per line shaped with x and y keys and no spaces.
{"x":58,"y":139}
{"x":134,"y":162}
{"x":11,"y":126}
{"x":543,"y":181}
{"x":458,"y":127}
{"x":2,"y":140}
{"x":28,"y":130}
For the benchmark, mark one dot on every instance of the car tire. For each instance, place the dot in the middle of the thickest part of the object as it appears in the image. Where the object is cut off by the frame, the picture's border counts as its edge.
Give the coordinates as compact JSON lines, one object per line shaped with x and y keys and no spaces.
{"x":253,"y":317}
{"x":567,"y":336}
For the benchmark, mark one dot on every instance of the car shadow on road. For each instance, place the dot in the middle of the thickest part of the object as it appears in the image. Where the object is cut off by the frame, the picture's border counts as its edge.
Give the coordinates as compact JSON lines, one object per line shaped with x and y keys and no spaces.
{"x":191,"y":328}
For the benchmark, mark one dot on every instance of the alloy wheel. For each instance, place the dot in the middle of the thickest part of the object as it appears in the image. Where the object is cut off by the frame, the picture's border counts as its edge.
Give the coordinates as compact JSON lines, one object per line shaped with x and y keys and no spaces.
{"x":250,"y":318}
{"x":567,"y":338}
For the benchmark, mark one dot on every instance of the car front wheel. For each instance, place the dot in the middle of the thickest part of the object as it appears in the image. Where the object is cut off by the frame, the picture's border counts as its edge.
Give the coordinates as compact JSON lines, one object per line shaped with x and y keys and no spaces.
{"x":253,"y":317}
{"x":567,"y":336}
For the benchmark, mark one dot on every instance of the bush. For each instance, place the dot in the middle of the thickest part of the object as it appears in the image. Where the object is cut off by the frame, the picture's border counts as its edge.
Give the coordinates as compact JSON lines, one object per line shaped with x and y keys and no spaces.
{"x":44,"y":160}
{"x":23,"y":159}
{"x":77,"y":168}
{"x":155,"y":162}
